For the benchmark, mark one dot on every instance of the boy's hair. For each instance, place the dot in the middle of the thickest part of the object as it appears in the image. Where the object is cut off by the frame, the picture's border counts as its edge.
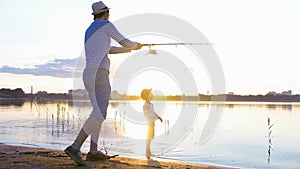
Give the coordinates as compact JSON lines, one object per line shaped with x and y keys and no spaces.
{"x":145,"y":93}
{"x":99,"y":15}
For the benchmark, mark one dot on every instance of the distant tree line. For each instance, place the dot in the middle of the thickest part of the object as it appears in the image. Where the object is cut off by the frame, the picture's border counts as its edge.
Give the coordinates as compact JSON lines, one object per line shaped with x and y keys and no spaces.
{"x":264,"y":98}
{"x":19,"y":93}
{"x":15,"y":93}
{"x":222,"y":97}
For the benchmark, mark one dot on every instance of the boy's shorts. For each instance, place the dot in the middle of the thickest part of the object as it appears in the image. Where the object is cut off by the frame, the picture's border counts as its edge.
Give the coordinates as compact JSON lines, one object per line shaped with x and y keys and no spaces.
{"x":150,"y":130}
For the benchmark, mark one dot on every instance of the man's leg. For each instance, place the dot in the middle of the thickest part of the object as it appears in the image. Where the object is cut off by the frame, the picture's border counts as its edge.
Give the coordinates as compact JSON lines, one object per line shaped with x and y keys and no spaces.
{"x":74,"y":150}
{"x":102,"y":94}
{"x":91,"y":126}
{"x":94,"y":137}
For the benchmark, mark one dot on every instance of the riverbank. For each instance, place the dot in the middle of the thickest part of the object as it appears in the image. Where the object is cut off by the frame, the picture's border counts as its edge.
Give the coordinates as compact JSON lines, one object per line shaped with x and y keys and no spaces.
{"x":34,"y":158}
{"x":81,"y":94}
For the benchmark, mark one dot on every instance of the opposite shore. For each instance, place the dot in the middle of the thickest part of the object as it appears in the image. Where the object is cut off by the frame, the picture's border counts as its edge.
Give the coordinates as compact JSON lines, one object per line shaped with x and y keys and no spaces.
{"x":81,"y":94}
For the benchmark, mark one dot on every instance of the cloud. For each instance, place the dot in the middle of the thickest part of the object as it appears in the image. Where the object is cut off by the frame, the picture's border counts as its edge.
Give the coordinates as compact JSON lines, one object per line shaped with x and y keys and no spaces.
{"x":62,"y":68}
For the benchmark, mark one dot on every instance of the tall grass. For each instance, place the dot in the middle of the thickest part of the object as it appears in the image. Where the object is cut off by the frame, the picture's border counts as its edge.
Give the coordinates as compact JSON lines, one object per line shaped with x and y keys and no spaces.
{"x":269,"y":137}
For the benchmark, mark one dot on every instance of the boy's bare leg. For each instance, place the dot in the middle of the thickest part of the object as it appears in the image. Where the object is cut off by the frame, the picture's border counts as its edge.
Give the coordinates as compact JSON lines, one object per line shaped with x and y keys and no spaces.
{"x":148,"y":151}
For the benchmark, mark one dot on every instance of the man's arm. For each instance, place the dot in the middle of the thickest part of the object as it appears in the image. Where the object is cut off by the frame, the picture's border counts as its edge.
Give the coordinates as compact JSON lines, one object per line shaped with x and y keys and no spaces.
{"x":117,"y":50}
{"x":111,"y":30}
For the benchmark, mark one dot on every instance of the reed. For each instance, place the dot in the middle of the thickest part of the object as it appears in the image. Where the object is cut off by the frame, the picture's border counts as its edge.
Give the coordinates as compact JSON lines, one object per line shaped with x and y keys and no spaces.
{"x":269,"y":139}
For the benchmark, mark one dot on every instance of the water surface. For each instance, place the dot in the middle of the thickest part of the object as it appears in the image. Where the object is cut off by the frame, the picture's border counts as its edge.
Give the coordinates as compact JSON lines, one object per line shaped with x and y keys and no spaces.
{"x":241,"y":139}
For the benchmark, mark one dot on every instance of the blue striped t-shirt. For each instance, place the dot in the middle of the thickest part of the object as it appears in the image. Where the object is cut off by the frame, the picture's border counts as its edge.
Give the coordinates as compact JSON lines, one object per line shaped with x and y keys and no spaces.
{"x":97,"y":43}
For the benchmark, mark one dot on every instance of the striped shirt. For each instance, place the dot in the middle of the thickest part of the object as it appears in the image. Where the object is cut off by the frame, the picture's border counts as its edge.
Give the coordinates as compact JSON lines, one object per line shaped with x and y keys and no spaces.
{"x":97,"y":43}
{"x":149,"y":113}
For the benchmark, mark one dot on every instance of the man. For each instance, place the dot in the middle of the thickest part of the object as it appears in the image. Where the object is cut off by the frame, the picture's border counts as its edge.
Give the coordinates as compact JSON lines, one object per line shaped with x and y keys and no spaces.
{"x":96,"y":78}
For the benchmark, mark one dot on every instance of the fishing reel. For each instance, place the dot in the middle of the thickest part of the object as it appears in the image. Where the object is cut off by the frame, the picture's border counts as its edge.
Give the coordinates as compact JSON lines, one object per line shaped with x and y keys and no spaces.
{"x":151,"y":52}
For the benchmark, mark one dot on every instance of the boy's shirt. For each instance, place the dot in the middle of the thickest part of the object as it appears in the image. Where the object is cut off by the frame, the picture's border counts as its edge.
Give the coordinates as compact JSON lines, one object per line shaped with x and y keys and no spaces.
{"x":149,"y":112}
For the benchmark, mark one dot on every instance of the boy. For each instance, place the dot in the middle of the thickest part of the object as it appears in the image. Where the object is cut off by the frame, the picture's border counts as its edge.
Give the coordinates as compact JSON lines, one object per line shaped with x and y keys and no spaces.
{"x":151,"y":116}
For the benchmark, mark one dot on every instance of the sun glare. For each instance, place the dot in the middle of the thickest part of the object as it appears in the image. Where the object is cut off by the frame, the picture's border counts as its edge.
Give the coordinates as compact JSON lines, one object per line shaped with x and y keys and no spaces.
{"x":160,"y":81}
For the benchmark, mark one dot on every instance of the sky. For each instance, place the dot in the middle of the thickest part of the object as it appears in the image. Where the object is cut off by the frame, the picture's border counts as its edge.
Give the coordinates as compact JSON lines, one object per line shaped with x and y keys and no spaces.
{"x":257,"y":42}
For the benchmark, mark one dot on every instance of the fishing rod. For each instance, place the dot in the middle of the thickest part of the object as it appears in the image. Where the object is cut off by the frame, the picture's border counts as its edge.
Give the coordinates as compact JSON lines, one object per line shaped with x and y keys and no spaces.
{"x":175,"y":44}
{"x":153,"y":52}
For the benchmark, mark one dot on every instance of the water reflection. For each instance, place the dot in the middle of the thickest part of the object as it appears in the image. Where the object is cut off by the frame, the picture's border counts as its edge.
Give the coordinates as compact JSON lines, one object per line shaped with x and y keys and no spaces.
{"x":59,"y":120}
{"x":272,"y":106}
{"x":287,"y":107}
{"x":79,"y":104}
{"x":12,"y":102}
{"x":118,"y":121}
{"x":119,"y":116}
{"x":167,"y":127}
{"x":54,"y":124}
{"x":62,"y":121}
{"x":231,"y":106}
{"x":269,"y":105}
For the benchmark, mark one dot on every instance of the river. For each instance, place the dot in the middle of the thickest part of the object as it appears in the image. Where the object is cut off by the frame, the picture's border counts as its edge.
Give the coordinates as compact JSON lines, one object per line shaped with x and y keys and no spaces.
{"x":247,"y":135}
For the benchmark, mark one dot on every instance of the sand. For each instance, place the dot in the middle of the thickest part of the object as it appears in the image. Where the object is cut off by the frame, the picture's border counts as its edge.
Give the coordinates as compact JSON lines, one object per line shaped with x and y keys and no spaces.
{"x":33,"y":158}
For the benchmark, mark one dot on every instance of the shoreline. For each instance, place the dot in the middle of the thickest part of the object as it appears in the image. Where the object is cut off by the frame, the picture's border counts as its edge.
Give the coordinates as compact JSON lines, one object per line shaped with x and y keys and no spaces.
{"x":12,"y":156}
{"x":274,"y":97}
{"x":25,"y":99}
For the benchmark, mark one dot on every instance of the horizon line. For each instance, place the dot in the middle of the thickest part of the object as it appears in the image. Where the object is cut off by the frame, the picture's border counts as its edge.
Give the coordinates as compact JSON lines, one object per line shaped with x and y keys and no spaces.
{"x":228,"y":93}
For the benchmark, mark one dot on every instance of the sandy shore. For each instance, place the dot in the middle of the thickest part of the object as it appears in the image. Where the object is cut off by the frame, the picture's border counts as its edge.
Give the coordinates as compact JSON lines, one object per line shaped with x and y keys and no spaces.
{"x":33,"y":158}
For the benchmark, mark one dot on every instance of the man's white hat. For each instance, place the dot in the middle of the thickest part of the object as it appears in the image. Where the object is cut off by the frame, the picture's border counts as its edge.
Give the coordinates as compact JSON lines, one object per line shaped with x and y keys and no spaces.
{"x":99,"y":7}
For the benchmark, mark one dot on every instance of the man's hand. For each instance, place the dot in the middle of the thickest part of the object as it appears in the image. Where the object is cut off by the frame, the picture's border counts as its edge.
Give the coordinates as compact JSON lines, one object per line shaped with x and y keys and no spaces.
{"x":138,"y":46}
